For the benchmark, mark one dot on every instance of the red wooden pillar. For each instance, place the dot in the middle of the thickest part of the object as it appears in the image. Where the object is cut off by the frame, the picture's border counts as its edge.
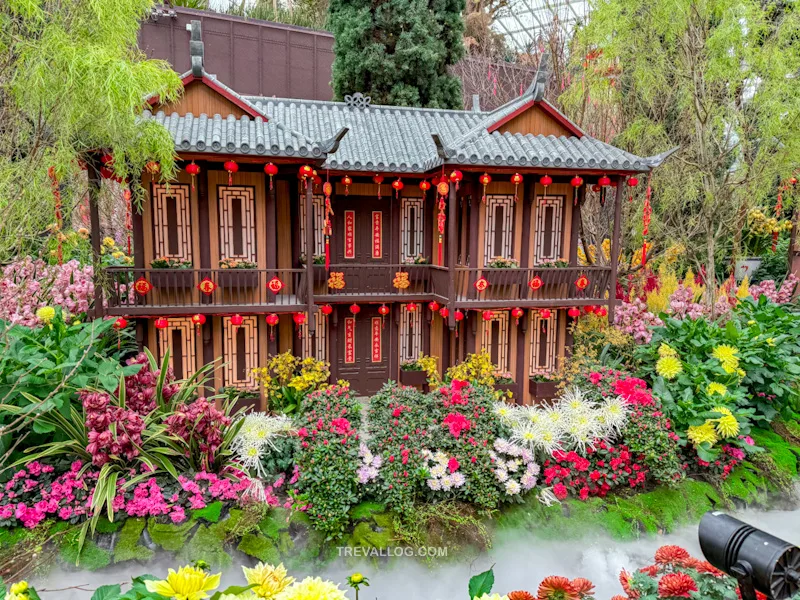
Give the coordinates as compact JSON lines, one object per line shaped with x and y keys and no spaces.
{"x":94,"y":217}
{"x":309,"y":199}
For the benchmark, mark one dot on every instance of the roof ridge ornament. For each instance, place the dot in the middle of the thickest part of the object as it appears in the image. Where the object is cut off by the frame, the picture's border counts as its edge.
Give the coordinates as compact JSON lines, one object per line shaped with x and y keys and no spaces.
{"x":539,"y":83}
{"x":196,"y":48}
{"x":357,"y":100}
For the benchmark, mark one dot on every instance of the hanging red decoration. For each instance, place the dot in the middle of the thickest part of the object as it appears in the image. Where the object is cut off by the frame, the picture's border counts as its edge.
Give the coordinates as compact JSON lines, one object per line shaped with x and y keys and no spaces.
{"x":237,"y":320}
{"x":231,"y":167}
{"x":456,"y":177}
{"x":120,"y":323}
{"x":487,"y":315}
{"x":646,"y":213}
{"x":604,"y":181}
{"x":545,"y":180}
{"x":574,"y":312}
{"x":458,"y":316}
{"x":193,"y":169}
{"x":153,"y":168}
{"x":793,"y":180}
{"x":51,"y":172}
{"x":107,"y":160}
{"x":435,"y":180}
{"x":347,"y":181}
{"x":595,"y":188}
{"x":327,"y":226}
{"x":481,"y":283}
{"x":199,"y":319}
{"x":582,"y":282}
{"x":433,"y":305}
{"x":424,"y":185}
{"x":106,"y":173}
{"x":412,"y":306}
{"x":326,"y":309}
{"x":442,"y":189}
{"x":516,"y":179}
{"x":275,"y":285}
{"x":207,"y":286}
{"x":378,"y":180}
{"x":355,"y":309}
{"x":397,"y":185}
{"x":272,"y":321}
{"x":576,"y":182}
{"x":141,"y":286}
{"x":545,"y":313}
{"x":316,"y":179}
{"x":517,"y":313}
{"x":383,"y":310}
{"x":633,"y":181}
{"x":327,"y":188}
{"x":305,"y":172}
{"x":535,"y":283}
{"x":444,"y":312}
{"x":271,"y":170}
{"x":161,"y":323}
{"x":484,"y":180}
{"x":299,"y":318}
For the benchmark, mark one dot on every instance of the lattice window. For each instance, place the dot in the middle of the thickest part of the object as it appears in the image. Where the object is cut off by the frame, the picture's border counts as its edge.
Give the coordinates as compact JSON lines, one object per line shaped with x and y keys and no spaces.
{"x":179,"y":338}
{"x":237,"y":222}
{"x":496,"y":339}
{"x":544,"y":333}
{"x":499,"y":239}
{"x":412,"y":228}
{"x":548,"y":233}
{"x":319,"y":219}
{"x":410,"y":335}
{"x":240,"y":351}
{"x":172,"y":223}
{"x":318,"y":345}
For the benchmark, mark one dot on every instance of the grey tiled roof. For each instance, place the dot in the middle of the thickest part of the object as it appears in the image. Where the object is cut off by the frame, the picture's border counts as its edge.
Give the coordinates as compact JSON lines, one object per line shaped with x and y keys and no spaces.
{"x":390,"y":138}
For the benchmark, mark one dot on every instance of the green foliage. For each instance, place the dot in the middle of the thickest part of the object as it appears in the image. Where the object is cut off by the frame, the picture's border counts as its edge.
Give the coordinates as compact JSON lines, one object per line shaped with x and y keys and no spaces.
{"x":481,"y":584}
{"x":128,"y":547}
{"x":209,"y":513}
{"x":84,"y":553}
{"x":398,"y":51}
{"x":73,"y":81}
{"x":647,"y":434}
{"x":170,"y":536}
{"x":259,"y":547}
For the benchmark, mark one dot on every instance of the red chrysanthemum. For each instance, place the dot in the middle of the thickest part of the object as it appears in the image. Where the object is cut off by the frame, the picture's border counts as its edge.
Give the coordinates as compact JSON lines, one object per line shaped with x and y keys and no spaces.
{"x":702,"y":566}
{"x":671,"y":555}
{"x":676,"y":585}
{"x":556,"y":588}
{"x":521,"y":595}
{"x":583,"y":587}
{"x":624,"y":581}
{"x":619,"y":597}
{"x":652,"y":570}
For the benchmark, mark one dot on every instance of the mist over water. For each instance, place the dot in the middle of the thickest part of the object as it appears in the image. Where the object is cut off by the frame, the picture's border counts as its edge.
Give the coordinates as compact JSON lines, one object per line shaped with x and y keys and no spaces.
{"x":519,"y":563}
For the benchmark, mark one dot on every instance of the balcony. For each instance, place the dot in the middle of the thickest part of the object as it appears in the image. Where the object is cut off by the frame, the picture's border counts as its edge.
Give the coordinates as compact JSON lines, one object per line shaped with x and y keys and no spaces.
{"x":377,"y":283}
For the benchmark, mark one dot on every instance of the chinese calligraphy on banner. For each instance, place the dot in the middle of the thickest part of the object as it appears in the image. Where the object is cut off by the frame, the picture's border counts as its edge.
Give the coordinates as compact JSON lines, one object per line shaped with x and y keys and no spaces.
{"x":377,"y":234}
{"x":350,"y":340}
{"x":377,"y":347}
{"x":349,"y":234}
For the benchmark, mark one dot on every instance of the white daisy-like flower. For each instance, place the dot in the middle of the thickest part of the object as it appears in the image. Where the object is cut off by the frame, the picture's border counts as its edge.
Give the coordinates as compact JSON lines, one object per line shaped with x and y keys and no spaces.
{"x":438,"y":470}
{"x":513,"y":488}
{"x":427,"y":454}
{"x":547,"y":497}
{"x":434,"y":484}
{"x":447,"y":483}
{"x":532,"y":469}
{"x":527,"y":435}
{"x":441,"y":458}
{"x":527,"y":481}
{"x":513,"y":465}
{"x":501,"y":474}
{"x":458,"y":479}
{"x":615,"y":412}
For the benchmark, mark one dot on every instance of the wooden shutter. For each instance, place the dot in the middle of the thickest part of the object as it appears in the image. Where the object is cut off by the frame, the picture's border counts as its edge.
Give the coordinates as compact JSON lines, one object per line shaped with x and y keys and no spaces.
{"x":549,"y":228}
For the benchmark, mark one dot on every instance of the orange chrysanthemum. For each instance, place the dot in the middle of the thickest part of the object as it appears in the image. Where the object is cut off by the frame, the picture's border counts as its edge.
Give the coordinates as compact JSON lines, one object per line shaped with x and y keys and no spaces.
{"x":676,"y":585}
{"x":583,"y":587}
{"x":619,"y":597}
{"x":703,"y":566}
{"x":671,"y":555}
{"x":556,"y":588}
{"x":624,"y":581}
{"x":652,"y":570}
{"x":521,"y":595}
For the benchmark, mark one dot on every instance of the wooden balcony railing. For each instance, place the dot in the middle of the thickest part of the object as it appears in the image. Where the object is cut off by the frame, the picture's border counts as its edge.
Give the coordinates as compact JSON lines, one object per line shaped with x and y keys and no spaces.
{"x":377,"y":281}
{"x":513,"y":286}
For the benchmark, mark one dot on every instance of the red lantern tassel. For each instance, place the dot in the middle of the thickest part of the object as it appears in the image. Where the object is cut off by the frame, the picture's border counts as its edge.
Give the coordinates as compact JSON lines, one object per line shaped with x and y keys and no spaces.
{"x":441,"y":255}
{"x":327,"y":252}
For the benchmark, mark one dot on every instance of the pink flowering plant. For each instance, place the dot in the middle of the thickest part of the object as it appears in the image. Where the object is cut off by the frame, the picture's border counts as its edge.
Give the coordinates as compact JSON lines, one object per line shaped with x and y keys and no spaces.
{"x":634,"y":319}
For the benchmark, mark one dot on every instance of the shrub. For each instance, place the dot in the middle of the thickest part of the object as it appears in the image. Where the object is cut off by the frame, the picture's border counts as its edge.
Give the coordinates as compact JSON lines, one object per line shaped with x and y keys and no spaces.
{"x":287,"y":379}
{"x":649,"y":435}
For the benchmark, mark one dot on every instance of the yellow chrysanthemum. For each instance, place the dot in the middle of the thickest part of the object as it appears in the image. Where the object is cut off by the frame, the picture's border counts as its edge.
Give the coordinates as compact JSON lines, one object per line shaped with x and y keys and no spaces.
{"x":188,"y":583}
{"x":726,"y":355}
{"x":46,"y":314}
{"x":19,"y":588}
{"x":699,"y":434}
{"x":727,"y":425}
{"x":716,"y":388}
{"x":312,"y":588}
{"x":666,"y":350}
{"x":669,"y":367}
{"x":268,"y":580}
{"x":109,"y":242}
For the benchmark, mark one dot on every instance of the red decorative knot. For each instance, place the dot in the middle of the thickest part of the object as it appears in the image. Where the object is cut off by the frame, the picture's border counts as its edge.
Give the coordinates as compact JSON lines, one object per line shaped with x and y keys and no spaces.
{"x":199,"y":319}
{"x":444,"y":312}
{"x":207,"y":286}
{"x":272,"y":319}
{"x":535,"y":283}
{"x":237,"y":320}
{"x":546,"y":180}
{"x":327,"y":188}
{"x":576,"y":181}
{"x":633,"y":181}
{"x":574,"y":312}
{"x":411,"y":306}
{"x":161,"y":323}
{"x":487,"y":315}
{"x":442,"y":188}
{"x":595,"y":188}
{"x":355,"y":309}
{"x":545,"y":313}
{"x":582,"y":282}
{"x":383,"y":310}
{"x":142,"y":286}
{"x":516,"y":179}
{"x":604,"y":180}
{"x":433,"y":305}
{"x":424,"y":185}
{"x":193,"y":169}
{"x":397,"y":185}
{"x":121,"y":323}
{"x":326,"y":309}
{"x":275,"y":285}
{"x":459,"y":316}
{"x":517,"y":312}
{"x":481,"y":283}
{"x":306,"y":171}
{"x":299,"y":318}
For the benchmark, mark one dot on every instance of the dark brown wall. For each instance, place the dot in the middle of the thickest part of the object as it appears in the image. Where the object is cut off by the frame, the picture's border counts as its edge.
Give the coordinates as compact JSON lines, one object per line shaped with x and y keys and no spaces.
{"x":250,"y":56}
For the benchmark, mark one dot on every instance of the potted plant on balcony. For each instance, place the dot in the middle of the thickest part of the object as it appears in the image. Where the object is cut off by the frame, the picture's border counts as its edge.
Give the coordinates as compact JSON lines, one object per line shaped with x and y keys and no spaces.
{"x":756,"y":241}
{"x":238,"y":273}
{"x":171,"y":273}
{"x":419,"y":372}
{"x":318,"y":268}
{"x":504,"y":382}
{"x":419,"y":259}
{"x":507,"y":272}
{"x":242,"y":398}
{"x":543,"y":386}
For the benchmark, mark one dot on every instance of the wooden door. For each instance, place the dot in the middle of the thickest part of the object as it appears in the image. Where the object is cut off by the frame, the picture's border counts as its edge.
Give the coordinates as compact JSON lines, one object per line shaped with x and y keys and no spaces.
{"x":361,"y":243}
{"x":363,"y":349}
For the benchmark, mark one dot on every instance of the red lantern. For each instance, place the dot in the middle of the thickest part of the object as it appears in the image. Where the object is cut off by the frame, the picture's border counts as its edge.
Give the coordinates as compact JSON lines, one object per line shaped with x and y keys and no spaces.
{"x":231,"y":167}
{"x":433,"y":305}
{"x":576,"y":182}
{"x":378,"y":180}
{"x":355,"y":309}
{"x":411,"y":306}
{"x":517,"y":313}
{"x":299,"y":318}
{"x":456,"y":177}
{"x":271,"y":170}
{"x":237,"y":320}
{"x":545,"y":180}
{"x":604,"y":181}
{"x":435,"y":180}
{"x":444,"y":312}
{"x":633,"y":181}
{"x":487,"y":315}
{"x":574,"y":312}
{"x":516,"y":179}
{"x":326,"y":309}
{"x":316,"y":179}
{"x":397,"y":185}
{"x":198,"y":319}
{"x":152,"y":167}
{"x":306,"y":171}
{"x":484,"y":180}
{"x":161,"y":323}
{"x":545,"y":313}
{"x":383,"y":310}
{"x":458,"y":316}
{"x":595,"y":188}
{"x":347,"y":181}
{"x":121,"y":323}
{"x":424,"y":185}
{"x":193,"y":170}
{"x":272,"y":321}
{"x":589,"y":309}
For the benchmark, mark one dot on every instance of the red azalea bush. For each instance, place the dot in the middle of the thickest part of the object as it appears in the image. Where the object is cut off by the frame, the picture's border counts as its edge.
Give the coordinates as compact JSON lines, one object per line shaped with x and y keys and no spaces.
{"x":603,"y":468}
{"x":605,"y":381}
{"x":649,"y":435}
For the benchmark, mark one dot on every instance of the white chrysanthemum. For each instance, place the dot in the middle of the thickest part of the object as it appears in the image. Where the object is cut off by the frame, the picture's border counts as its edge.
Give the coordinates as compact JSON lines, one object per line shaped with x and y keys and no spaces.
{"x":615,"y":413}
{"x":507,"y":412}
{"x":531,"y":414}
{"x":528,"y":481}
{"x":427,"y":454}
{"x":549,"y":438}
{"x":434,"y":484}
{"x":440,"y":457}
{"x":437,"y":470}
{"x":458,"y":479}
{"x":501,"y":474}
{"x":573,"y":402}
{"x":532,"y":469}
{"x":527,"y":435}
{"x":513,"y":465}
{"x":255,"y":439}
{"x":513,"y":488}
{"x":447,"y":483}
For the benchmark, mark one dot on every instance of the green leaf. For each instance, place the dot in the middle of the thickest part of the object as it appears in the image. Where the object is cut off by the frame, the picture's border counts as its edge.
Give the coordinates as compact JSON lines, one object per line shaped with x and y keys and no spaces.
{"x":481,"y":584}
{"x":233,"y":590}
{"x":107,"y":592}
{"x":210,"y":513}
{"x":43,"y":427}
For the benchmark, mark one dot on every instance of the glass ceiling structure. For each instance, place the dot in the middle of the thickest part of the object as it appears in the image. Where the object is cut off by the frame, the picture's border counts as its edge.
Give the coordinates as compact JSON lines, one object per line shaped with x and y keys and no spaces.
{"x":523,"y":21}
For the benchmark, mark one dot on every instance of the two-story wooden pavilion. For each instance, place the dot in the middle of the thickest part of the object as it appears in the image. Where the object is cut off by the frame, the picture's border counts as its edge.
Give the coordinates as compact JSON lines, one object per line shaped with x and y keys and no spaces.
{"x":398,"y":257}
